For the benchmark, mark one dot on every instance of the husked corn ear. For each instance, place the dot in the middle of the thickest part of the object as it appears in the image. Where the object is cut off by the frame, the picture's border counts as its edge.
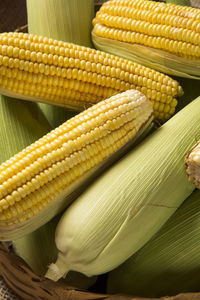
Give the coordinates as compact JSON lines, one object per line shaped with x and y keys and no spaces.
{"x":163,"y":26}
{"x":192,"y":162}
{"x":41,"y":69}
{"x":35,"y":183}
{"x":171,"y":28}
{"x":129,"y":203}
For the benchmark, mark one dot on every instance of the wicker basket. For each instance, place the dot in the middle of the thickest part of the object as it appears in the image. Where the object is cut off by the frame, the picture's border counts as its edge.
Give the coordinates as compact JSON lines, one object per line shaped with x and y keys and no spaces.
{"x":29,"y":286}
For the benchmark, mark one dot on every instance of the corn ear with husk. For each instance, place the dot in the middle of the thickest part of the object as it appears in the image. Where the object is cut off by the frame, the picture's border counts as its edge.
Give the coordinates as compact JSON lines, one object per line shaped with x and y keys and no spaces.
{"x":165,"y":37}
{"x":169,"y":263}
{"x":38,"y":182}
{"x":69,"y":21}
{"x":40,"y":69}
{"x":126,"y":206}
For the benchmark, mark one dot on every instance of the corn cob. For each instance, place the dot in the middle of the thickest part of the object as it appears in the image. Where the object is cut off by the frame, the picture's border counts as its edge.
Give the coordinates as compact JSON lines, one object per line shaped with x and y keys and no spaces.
{"x":35,"y":183}
{"x":42,"y":69}
{"x":167,"y":32}
{"x":192,"y":162}
{"x":126,"y":206}
{"x":169,"y":263}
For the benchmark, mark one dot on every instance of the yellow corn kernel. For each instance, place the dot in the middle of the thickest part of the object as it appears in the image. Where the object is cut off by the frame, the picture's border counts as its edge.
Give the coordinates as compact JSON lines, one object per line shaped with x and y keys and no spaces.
{"x":162,"y":27}
{"x":35,"y":182}
{"x":41,"y":69}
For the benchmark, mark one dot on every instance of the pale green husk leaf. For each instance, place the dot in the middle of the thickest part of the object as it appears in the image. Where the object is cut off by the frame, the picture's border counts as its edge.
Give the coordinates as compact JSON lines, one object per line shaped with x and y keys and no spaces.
{"x":65,"y":20}
{"x":169,"y":263}
{"x":180,"y":2}
{"x":21,"y":123}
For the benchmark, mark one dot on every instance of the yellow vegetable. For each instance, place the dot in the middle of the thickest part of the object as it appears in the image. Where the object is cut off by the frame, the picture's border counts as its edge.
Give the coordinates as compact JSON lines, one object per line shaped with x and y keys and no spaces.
{"x":42,"y":179}
{"x":162,"y":36}
{"x":46,"y":70}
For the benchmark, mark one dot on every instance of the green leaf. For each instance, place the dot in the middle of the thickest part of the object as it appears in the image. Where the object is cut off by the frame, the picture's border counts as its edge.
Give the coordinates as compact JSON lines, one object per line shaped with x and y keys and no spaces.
{"x":180,"y":2}
{"x":21,"y":123}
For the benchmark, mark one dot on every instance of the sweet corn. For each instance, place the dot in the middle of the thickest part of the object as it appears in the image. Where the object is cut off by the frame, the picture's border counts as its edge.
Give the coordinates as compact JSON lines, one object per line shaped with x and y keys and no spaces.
{"x":169,"y":33}
{"x":38,"y":182}
{"x":41,"y":69}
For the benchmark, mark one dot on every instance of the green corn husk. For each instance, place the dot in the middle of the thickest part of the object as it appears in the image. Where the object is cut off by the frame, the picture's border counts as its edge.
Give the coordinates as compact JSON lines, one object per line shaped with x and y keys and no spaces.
{"x":66,"y":20}
{"x":126,"y":206}
{"x":180,"y":2}
{"x":56,"y":115}
{"x":169,"y":263}
{"x":21,"y":123}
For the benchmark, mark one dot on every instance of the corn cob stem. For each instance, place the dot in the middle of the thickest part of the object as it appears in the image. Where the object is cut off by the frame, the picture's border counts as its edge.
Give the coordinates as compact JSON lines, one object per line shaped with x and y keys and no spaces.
{"x":47,"y":70}
{"x":35,"y":183}
{"x":192,"y":162}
